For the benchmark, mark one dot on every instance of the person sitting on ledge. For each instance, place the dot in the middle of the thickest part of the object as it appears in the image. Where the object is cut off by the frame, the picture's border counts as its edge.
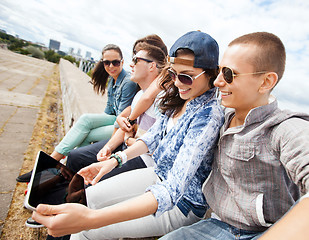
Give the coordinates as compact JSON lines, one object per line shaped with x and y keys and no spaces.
{"x":92,"y":127}
{"x":181,"y":143}
{"x":262,"y":159}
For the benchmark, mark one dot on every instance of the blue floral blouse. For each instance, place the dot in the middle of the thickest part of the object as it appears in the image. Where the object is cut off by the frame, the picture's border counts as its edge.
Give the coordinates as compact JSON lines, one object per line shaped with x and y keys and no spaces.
{"x":184,"y":155}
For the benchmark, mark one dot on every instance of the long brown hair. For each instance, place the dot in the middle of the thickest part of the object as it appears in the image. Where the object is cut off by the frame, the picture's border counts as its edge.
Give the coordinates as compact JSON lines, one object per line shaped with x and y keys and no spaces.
{"x":99,"y":74}
{"x":171,"y":103}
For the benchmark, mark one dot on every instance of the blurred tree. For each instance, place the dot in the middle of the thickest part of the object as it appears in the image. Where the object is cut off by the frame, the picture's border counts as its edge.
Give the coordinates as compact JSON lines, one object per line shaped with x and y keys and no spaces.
{"x":35,"y":52}
{"x":52,"y":56}
{"x":69,"y":58}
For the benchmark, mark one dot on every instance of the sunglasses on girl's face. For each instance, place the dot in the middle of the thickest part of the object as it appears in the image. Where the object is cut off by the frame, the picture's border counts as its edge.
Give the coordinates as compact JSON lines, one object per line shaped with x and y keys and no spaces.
{"x":183,"y":78}
{"x":228,"y":74}
{"x":116,"y":63}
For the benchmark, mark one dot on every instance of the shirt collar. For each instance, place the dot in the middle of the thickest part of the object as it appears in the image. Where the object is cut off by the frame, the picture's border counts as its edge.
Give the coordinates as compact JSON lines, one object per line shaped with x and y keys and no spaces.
{"x":257,"y":114}
{"x":121,"y":76}
{"x":202,"y":99}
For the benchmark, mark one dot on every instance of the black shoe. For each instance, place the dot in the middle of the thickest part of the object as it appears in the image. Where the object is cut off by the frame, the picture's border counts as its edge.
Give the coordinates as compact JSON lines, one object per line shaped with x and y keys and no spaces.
{"x":25,"y":177}
{"x":33,"y":224}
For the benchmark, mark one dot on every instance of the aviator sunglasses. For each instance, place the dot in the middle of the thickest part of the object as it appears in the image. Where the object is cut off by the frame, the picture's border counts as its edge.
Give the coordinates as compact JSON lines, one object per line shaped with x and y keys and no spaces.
{"x":183,"y":78}
{"x":116,"y":63}
{"x":228,"y":74}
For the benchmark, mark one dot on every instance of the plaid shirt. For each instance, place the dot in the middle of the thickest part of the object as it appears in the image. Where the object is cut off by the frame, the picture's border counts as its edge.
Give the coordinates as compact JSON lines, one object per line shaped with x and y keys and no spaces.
{"x":259,"y":167}
{"x":184,"y":155}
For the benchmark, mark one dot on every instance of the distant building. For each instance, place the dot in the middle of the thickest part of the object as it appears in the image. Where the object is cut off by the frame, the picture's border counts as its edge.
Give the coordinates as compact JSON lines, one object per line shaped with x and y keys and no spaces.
{"x":61,"y":53}
{"x":53,"y":44}
{"x":71,"y":51}
{"x":78,"y":52}
{"x":88,"y":55}
{"x":41,"y":46}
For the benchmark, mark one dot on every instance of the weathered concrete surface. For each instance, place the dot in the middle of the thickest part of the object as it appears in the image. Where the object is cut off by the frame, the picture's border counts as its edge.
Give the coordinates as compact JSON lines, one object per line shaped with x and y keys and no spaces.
{"x":23,"y":82}
{"x":78,"y":96}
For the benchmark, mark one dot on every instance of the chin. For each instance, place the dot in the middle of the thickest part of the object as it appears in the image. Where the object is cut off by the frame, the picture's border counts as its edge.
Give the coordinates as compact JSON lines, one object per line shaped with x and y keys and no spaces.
{"x":184,"y":97}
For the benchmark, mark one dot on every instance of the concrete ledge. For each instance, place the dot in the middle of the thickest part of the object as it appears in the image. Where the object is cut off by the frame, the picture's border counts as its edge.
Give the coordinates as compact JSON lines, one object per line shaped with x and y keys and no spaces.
{"x":78,"y":96}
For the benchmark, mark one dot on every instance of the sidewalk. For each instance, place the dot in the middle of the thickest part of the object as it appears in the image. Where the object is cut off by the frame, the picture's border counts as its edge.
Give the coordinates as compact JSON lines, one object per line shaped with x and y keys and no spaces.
{"x":23,"y":84}
{"x":22,"y":87}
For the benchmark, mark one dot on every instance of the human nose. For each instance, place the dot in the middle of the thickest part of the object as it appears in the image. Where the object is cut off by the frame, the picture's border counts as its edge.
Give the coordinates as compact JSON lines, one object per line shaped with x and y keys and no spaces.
{"x":219,"y":82}
{"x":177,"y":83}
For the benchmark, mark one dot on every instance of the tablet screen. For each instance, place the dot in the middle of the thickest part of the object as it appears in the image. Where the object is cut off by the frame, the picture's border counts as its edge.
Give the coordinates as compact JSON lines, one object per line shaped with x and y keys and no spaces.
{"x":49,"y":182}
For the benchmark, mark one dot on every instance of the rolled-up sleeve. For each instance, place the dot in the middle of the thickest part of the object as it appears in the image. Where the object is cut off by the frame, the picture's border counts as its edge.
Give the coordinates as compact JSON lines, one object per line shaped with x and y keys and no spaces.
{"x":154,"y":134}
{"x":293,"y":135}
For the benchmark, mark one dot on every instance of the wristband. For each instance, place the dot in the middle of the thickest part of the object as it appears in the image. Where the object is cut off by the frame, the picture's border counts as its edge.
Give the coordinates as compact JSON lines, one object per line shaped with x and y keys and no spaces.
{"x":132,"y":122}
{"x":123,"y":156}
{"x":118,"y":158}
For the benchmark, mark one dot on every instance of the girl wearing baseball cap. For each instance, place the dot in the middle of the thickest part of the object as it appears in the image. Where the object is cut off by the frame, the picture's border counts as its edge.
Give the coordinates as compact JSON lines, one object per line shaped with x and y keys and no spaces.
{"x":154,"y":201}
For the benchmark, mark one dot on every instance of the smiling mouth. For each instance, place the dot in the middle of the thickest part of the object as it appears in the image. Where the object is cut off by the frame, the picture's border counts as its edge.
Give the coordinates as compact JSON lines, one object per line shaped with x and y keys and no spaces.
{"x":225,"y":94}
{"x":183,"y":90}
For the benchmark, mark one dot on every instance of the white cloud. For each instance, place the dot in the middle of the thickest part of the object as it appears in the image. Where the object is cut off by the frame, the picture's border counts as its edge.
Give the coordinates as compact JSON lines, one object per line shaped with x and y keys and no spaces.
{"x":91,"y":24}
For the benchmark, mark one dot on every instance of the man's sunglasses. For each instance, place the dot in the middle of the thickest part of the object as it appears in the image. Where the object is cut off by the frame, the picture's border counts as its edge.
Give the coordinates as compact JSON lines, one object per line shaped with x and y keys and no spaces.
{"x":228,"y":74}
{"x":183,"y":78}
{"x":136,"y":59}
{"x":116,"y":63}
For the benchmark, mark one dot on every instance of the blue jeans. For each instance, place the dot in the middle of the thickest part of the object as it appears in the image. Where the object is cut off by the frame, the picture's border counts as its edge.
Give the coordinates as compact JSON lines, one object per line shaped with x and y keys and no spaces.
{"x":211,"y":229}
{"x":84,"y":156}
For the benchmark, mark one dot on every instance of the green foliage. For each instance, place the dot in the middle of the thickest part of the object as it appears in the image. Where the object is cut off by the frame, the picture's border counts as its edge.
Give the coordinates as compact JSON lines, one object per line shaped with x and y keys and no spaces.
{"x":89,"y":73}
{"x":69,"y":58}
{"x":26,"y":48}
{"x":23,"y":51}
{"x":14,"y":44}
{"x":52,"y":56}
{"x":35,"y":52}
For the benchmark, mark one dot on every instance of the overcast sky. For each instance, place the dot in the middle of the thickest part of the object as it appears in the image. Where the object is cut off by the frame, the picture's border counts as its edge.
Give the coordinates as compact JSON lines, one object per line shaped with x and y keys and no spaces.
{"x":91,"y":24}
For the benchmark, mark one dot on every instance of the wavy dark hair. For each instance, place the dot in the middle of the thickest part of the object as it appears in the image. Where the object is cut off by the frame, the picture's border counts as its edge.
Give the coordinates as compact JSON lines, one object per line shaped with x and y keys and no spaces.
{"x":171,"y":103}
{"x":99,"y":75}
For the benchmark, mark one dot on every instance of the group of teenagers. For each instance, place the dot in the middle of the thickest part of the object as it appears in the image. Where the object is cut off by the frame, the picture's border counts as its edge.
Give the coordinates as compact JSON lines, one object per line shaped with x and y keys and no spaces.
{"x":183,"y":135}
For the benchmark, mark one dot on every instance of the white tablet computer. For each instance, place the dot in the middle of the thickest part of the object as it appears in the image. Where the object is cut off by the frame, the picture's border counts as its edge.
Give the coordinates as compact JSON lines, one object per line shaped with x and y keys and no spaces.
{"x":49,"y":182}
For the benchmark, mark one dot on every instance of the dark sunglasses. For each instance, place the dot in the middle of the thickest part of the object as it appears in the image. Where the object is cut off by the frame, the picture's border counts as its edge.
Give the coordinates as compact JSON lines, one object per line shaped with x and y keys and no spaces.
{"x":116,"y":63}
{"x":136,"y":59}
{"x":228,"y":74}
{"x":183,"y":78}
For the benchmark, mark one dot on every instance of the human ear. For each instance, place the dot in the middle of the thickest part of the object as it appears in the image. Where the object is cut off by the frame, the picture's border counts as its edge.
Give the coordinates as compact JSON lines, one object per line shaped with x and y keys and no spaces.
{"x":153,"y":66}
{"x":270,"y":80}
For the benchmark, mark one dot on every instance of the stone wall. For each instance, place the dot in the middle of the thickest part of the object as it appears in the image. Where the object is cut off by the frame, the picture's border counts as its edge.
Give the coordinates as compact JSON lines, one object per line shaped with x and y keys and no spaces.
{"x":78,"y":96}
